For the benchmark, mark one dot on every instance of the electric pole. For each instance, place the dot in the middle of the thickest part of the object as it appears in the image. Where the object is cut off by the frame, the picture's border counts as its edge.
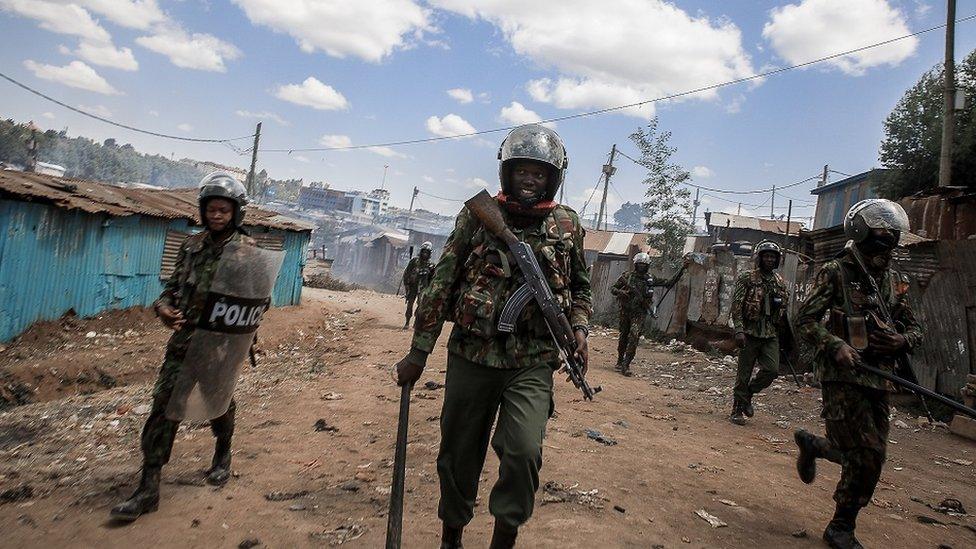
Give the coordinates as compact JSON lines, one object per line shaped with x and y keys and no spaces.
{"x":254,"y":161}
{"x":948,"y":115}
{"x":383,"y":184}
{"x":823,"y":179}
{"x":608,"y":170}
{"x":789,"y":216}
{"x":416,"y":191}
{"x":772,"y":204}
{"x":694,"y":212}
{"x":738,"y":209}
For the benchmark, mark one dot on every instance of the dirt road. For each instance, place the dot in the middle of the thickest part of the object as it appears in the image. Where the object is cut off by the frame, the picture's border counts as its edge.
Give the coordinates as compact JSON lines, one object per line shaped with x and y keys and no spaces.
{"x":65,"y":461}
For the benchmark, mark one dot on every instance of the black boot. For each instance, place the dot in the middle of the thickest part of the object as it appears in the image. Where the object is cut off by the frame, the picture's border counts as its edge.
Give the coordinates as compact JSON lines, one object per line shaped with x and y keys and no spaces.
{"x":219,"y":471}
{"x":451,"y":537}
{"x":747,"y":408}
{"x":737,"y":417}
{"x":502,"y":537}
{"x":806,"y":461}
{"x":144,"y":500}
{"x":839,"y":534}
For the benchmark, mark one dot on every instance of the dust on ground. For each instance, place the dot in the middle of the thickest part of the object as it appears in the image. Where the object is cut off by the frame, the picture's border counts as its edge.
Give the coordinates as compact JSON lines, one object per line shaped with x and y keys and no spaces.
{"x":651,"y":462}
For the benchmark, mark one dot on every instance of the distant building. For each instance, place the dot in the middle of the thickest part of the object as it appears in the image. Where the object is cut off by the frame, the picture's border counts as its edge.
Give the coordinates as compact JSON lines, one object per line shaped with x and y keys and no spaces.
{"x":318,"y":196}
{"x":723,"y":227}
{"x":834,"y":199}
{"x":49,"y":169}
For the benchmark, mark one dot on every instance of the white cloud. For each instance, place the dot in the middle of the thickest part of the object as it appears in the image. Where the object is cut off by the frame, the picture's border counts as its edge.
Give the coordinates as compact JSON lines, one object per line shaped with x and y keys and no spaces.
{"x":475,"y":183}
{"x":368,"y":30}
{"x":461,"y":95}
{"x":387,"y":152}
{"x":312,"y":93}
{"x":263,"y":115}
{"x":198,"y":51}
{"x":75,"y":74}
{"x":449,"y":126}
{"x":817,"y":28}
{"x":153,"y":113}
{"x":99,"y":110}
{"x":335,"y":141}
{"x":516,"y":114}
{"x":184,"y":127}
{"x":701,"y":172}
{"x":301,"y":158}
{"x":48,"y":115}
{"x":134,"y":14}
{"x":428,"y":179}
{"x":59,"y":18}
{"x":107,"y":55}
{"x":638,"y":50}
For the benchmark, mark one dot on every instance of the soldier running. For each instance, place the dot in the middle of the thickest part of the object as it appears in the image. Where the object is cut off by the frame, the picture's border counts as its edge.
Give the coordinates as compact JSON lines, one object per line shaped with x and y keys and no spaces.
{"x":416,"y":277}
{"x":758,"y":311}
{"x":635,"y":293}
{"x":488,"y":373}
{"x":855,"y":402}
{"x":222,"y":200}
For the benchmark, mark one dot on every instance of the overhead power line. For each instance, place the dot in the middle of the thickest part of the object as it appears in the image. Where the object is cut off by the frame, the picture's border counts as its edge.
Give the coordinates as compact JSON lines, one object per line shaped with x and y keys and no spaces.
{"x":118,"y":124}
{"x":710,"y":87}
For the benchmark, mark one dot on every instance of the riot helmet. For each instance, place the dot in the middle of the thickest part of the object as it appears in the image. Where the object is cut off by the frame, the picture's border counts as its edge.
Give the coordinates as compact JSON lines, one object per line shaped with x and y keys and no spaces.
{"x":426,"y":249}
{"x":221,"y":184}
{"x":875,"y":213}
{"x":538,"y":143}
{"x":767,"y":246}
{"x":642,"y":262}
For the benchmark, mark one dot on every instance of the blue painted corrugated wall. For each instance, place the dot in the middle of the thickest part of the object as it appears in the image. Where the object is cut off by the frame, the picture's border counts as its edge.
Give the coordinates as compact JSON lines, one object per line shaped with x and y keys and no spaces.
{"x":53,"y":260}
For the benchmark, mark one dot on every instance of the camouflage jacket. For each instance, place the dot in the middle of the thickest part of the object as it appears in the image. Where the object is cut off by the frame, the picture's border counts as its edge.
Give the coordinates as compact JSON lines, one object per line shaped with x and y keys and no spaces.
{"x":417,"y":275}
{"x":475,"y":277}
{"x":636,"y":291}
{"x":187,"y":287}
{"x":754,"y":311}
{"x":842,"y":290}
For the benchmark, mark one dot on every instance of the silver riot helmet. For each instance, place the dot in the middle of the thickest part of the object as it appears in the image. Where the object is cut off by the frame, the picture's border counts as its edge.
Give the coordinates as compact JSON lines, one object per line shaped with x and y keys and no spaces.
{"x":533,"y":142}
{"x":875,"y":213}
{"x":427,"y":246}
{"x":767,"y":246}
{"x":642,"y":258}
{"x":222,"y":184}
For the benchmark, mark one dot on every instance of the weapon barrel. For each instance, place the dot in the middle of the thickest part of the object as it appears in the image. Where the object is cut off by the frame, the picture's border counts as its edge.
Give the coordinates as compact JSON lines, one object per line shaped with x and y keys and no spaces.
{"x":919,"y":389}
{"x":394,"y":525}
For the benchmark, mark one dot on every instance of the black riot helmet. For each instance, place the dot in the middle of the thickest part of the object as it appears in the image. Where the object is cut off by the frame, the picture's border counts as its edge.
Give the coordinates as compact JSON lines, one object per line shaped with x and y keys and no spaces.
{"x":538,"y":143}
{"x":222,"y":184}
{"x":768,"y":246}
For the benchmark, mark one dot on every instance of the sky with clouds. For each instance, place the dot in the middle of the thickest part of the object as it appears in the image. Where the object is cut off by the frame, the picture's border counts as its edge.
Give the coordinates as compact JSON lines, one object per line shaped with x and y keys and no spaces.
{"x":327,"y":73}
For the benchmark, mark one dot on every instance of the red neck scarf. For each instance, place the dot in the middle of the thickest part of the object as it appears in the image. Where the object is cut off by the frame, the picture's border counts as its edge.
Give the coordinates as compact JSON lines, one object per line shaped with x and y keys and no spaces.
{"x":537,"y":210}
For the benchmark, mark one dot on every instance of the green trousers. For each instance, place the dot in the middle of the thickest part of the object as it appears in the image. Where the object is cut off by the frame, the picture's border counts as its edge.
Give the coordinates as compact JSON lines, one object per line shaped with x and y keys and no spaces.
{"x":474,"y":395}
{"x":765,"y":351}
{"x":159,"y":432}
{"x":856,"y":418}
{"x":631,"y":325}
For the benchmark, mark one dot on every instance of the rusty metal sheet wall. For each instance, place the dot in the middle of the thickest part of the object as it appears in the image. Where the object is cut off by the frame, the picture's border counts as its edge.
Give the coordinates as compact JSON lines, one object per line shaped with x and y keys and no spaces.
{"x":604,"y":274}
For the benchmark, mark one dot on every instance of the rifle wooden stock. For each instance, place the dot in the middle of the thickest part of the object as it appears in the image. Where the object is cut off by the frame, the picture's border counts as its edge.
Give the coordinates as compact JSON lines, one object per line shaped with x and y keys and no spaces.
{"x":485,"y":208}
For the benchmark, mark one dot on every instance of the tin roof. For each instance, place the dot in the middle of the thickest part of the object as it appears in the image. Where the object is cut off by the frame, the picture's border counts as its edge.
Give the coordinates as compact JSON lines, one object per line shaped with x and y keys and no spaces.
{"x":733,"y":221}
{"x":613,"y":242}
{"x":94,"y":197}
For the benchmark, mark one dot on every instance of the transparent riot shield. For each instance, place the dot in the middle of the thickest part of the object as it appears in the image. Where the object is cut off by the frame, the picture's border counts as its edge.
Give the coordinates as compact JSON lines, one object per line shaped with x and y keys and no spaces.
{"x":239,"y":295}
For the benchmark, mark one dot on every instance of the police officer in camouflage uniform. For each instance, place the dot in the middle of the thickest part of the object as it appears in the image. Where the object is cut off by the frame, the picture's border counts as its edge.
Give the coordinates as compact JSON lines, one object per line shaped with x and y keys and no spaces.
{"x":758,"y":311}
{"x":635,"y":293}
{"x":416,"y":277}
{"x":491,"y":373}
{"x":855,"y":402}
{"x":222,"y":200}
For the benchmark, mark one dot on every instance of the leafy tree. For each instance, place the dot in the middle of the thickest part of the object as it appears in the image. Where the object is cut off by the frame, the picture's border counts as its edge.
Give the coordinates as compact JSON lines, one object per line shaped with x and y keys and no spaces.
{"x":913,"y":135}
{"x":668,"y":205}
{"x":629,"y":216}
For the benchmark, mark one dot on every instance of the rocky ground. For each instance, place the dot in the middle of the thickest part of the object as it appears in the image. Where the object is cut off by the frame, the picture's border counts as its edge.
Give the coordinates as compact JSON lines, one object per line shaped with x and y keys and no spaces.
{"x":652,"y":462}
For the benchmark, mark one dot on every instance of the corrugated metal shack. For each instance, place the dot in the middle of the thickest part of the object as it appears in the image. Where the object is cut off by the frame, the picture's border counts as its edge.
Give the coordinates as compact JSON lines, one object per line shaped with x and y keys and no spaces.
{"x":75,"y":245}
{"x":609,"y":254}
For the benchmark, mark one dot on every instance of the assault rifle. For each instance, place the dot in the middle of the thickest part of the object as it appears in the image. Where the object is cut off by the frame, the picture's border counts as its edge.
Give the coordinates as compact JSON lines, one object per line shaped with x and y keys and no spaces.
{"x":903,"y":363}
{"x":485,"y":208}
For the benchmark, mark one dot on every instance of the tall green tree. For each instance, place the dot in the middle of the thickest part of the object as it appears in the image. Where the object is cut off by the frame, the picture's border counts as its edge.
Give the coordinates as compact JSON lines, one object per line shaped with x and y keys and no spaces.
{"x":913,"y":135}
{"x":668,"y":205}
{"x":629,"y":216}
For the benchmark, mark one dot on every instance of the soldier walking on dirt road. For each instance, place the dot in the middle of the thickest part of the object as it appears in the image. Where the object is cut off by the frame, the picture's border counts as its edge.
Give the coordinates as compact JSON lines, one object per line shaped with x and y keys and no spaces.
{"x":489,"y":372}
{"x":182,"y":304}
{"x":416,"y":277}
{"x":758,"y":310}
{"x":855,"y":402}
{"x":635,"y":294}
